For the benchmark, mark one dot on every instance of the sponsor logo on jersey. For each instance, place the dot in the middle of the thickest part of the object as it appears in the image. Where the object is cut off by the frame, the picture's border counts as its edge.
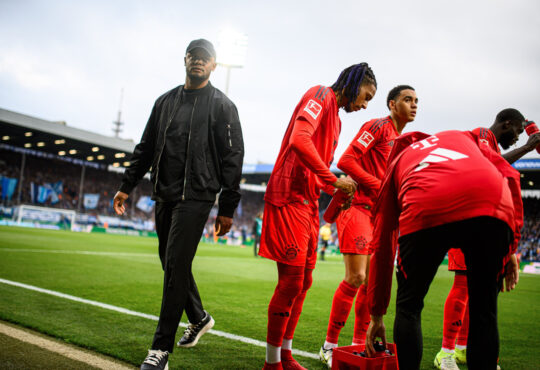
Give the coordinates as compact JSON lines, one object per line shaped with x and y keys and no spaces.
{"x":365,"y":139}
{"x":313,"y":108}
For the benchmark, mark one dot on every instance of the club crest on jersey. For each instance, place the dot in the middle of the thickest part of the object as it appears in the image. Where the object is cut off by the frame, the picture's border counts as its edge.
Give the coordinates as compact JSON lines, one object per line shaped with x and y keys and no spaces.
{"x":313,"y":108}
{"x":365,"y":139}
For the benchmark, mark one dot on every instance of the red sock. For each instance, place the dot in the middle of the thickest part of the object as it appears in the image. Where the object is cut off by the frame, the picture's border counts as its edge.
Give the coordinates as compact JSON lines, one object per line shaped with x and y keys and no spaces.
{"x":298,"y":304}
{"x":464,"y":331}
{"x":454,"y":309}
{"x":341,"y":307}
{"x":361,"y":322}
{"x":289,"y":286}
{"x":288,"y":362}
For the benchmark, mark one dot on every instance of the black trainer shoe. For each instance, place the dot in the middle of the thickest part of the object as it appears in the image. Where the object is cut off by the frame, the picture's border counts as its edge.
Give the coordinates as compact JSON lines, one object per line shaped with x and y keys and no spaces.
{"x":195,"y":331}
{"x":156,"y":360}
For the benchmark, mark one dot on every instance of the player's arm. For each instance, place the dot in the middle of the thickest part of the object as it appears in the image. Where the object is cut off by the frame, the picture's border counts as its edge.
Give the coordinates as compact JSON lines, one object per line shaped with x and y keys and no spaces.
{"x":303,"y":146}
{"x":364,"y":141}
{"x":532,"y":143}
{"x":350,"y":164}
{"x":382,"y":261}
{"x":511,"y":276}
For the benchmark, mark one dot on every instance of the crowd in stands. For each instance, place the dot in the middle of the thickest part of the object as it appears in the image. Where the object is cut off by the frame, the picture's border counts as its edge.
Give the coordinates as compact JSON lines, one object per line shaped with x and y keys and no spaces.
{"x":529,"y":246}
{"x":40,"y":171}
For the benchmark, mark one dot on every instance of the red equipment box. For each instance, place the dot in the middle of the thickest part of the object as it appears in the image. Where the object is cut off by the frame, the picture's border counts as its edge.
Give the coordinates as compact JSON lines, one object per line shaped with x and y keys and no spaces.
{"x":343,"y":358}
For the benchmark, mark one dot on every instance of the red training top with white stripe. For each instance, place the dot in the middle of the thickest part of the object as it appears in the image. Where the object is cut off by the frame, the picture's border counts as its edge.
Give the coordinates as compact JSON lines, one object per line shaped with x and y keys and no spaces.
{"x":438,"y":179}
{"x":307,"y":150}
{"x":365,"y":159}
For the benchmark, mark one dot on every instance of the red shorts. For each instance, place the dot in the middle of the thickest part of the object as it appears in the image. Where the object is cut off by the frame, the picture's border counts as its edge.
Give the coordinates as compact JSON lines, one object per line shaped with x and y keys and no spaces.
{"x":355,"y":231}
{"x":290,"y":234}
{"x":456,"y":260}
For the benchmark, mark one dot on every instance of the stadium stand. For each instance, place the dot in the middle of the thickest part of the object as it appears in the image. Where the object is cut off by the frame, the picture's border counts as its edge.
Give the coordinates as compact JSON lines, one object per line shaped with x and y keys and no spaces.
{"x":60,"y":163}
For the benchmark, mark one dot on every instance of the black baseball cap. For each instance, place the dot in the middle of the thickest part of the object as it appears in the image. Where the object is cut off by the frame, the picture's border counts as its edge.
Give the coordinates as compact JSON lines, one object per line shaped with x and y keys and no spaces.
{"x":203,"y":44}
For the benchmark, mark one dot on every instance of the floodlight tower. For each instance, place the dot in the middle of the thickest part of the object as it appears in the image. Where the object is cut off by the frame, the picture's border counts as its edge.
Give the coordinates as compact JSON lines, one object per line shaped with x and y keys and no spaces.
{"x":232,"y":49}
{"x":117,"y":125}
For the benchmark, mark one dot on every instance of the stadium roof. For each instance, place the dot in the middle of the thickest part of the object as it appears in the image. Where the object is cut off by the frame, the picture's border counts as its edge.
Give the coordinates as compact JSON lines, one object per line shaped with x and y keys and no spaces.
{"x":37,"y":136}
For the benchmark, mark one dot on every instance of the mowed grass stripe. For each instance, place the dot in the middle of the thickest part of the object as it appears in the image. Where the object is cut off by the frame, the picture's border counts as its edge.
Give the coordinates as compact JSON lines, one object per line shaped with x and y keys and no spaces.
{"x":235,"y":287}
{"x":144,"y":315}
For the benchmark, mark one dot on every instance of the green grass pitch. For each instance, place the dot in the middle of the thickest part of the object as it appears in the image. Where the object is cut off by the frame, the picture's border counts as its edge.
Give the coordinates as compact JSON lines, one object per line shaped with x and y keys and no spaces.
{"x":235,"y":288}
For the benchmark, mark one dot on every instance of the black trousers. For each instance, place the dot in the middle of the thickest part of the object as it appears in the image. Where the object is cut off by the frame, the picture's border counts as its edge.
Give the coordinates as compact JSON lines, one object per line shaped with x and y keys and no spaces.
{"x":484,"y":242}
{"x":179,"y":226}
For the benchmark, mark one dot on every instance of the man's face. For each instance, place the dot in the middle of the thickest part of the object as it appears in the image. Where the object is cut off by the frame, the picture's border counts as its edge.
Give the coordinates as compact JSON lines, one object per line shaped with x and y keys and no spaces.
{"x":199,"y":64}
{"x":511,"y":135}
{"x":404,"y":106}
{"x":367,"y":92}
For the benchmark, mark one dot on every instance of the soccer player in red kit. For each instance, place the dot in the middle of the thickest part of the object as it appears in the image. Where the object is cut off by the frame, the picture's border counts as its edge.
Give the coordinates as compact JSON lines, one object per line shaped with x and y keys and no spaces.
{"x":365,"y":162}
{"x":447,"y":190}
{"x":505,"y":132}
{"x":291,"y":218}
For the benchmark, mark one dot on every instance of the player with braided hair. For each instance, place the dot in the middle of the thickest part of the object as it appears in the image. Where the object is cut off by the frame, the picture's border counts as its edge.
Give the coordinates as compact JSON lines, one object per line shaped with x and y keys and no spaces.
{"x":365,"y":160}
{"x":291,"y":218}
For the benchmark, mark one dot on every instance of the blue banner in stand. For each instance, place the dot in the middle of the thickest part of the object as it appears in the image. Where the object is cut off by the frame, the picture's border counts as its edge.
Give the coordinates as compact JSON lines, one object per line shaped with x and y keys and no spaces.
{"x":145,"y":204}
{"x":8,"y":187}
{"x":91,"y":201}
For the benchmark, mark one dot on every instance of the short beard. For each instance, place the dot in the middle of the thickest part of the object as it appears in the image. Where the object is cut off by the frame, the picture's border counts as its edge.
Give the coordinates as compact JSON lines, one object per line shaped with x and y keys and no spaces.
{"x":506,"y":140}
{"x":196,"y":79}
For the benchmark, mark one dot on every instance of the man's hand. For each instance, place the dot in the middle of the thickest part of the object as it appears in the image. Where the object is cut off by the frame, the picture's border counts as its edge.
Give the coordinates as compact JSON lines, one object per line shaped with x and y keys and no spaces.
{"x":347,"y":204}
{"x":511,"y":276}
{"x":118,"y":202}
{"x":346,"y":184}
{"x":375,"y":330}
{"x":223,"y":225}
{"x":533,"y":141}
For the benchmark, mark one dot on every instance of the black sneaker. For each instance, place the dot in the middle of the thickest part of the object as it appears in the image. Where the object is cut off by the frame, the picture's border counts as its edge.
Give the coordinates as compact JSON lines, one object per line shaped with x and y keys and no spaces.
{"x":156,"y":360}
{"x":195,"y":331}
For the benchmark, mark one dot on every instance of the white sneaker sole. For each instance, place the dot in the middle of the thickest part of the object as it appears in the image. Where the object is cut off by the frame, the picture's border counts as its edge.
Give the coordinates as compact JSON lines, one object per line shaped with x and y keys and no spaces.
{"x":205,"y":328}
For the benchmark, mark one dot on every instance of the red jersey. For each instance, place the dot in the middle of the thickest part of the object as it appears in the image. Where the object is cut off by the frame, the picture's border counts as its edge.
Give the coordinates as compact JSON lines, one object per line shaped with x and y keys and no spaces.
{"x":307,"y":150}
{"x":487,"y":136}
{"x":365,"y":159}
{"x":438,"y":179}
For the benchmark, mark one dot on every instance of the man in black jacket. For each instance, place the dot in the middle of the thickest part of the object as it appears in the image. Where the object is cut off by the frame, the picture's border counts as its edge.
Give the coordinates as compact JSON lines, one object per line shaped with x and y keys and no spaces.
{"x":193,"y":145}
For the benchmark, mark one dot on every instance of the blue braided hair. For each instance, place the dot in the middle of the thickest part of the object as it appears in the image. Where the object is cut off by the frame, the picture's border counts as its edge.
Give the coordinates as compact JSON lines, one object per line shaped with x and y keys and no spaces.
{"x":352,"y":78}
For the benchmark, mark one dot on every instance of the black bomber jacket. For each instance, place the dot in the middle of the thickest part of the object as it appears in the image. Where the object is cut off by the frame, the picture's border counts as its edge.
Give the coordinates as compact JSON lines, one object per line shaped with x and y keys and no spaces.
{"x":215,"y":150}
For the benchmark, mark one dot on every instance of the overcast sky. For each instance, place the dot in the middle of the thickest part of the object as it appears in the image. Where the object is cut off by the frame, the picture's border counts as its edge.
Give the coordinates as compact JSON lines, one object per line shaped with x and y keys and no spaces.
{"x":69,"y":60}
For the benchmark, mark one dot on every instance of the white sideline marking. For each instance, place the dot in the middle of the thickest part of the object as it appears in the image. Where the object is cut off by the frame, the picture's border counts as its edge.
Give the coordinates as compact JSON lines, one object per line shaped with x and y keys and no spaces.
{"x":62,"y":349}
{"x":63,"y":251}
{"x":146,"y":316}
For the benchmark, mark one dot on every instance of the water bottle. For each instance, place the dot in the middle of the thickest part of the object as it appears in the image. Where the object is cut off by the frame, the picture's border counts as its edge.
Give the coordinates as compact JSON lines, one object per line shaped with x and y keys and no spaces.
{"x":531,"y":128}
{"x":333,"y":209}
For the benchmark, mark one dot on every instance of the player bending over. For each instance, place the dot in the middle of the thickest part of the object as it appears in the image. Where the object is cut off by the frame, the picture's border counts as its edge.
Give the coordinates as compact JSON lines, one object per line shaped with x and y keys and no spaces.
{"x":505,"y":132}
{"x":442,"y":191}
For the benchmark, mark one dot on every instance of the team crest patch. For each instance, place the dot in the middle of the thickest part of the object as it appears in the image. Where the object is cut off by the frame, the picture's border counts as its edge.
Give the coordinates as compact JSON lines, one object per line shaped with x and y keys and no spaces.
{"x":291,"y":252}
{"x":360,"y":241}
{"x":365,"y":139}
{"x":313,"y":108}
